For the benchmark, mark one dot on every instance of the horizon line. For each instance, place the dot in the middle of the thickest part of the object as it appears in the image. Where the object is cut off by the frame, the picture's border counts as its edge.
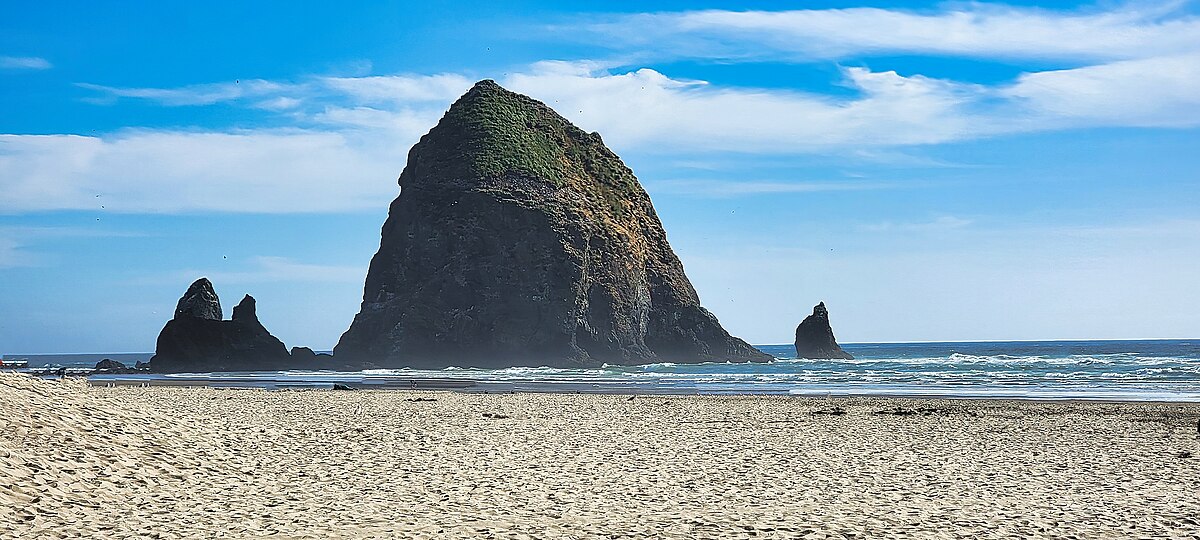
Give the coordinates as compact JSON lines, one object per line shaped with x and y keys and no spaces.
{"x":7,"y":355}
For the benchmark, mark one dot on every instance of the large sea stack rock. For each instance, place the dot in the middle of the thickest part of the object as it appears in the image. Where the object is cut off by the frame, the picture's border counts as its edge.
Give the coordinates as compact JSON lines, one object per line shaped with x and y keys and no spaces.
{"x":198,"y":340}
{"x":518,"y":239}
{"x":814,"y":337}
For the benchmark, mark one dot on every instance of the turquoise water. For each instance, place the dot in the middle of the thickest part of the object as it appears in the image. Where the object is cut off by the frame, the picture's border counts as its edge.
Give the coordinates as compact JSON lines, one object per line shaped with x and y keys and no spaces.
{"x":1116,"y":370}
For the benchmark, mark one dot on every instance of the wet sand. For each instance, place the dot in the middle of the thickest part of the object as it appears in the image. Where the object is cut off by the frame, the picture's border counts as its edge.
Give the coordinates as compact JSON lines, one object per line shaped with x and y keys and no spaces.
{"x":128,"y":462}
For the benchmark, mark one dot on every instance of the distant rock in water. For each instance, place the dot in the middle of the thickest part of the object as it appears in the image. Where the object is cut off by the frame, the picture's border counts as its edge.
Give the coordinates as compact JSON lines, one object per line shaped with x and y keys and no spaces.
{"x":814,"y":337}
{"x":109,"y":365}
{"x":518,"y":239}
{"x":198,"y":340}
{"x":305,"y":355}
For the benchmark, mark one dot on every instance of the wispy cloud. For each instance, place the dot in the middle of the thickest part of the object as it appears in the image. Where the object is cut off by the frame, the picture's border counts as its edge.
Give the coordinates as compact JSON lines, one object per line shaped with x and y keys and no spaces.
{"x":199,"y":94}
{"x":973,"y":30}
{"x":349,"y":135}
{"x":279,"y":104}
{"x":1153,"y":92}
{"x":442,"y":87}
{"x":737,"y":188}
{"x":38,"y":233}
{"x":24,"y":62}
{"x":889,"y":110}
{"x":400,"y":89}
{"x":352,"y":145}
{"x":350,"y":142}
{"x":18,"y":244}
{"x":677,"y":114}
{"x":275,"y":269}
{"x":941,"y":223}
{"x":13,"y":254}
{"x":167,"y":172}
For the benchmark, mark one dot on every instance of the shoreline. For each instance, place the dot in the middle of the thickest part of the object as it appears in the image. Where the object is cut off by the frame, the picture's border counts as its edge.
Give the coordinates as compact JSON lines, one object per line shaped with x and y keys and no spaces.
{"x":759,"y":346}
{"x":324,"y":381}
{"x":94,"y":461}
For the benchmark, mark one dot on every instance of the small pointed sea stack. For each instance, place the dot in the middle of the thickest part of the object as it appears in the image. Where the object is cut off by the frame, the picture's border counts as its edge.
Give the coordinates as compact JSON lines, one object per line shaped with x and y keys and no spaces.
{"x":519,"y":239}
{"x":814,"y":337}
{"x":198,"y":340}
{"x":200,"y":301}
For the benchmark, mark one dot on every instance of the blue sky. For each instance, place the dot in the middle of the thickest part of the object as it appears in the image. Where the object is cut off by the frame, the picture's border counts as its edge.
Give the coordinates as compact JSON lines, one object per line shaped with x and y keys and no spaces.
{"x":947,"y":171}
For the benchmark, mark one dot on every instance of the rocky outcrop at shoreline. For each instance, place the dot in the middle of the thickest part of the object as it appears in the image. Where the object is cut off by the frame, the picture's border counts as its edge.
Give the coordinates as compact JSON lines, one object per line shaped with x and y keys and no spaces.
{"x":110,"y":366}
{"x":814,"y":337}
{"x":306,"y":356}
{"x":196,"y":339}
{"x":519,"y":239}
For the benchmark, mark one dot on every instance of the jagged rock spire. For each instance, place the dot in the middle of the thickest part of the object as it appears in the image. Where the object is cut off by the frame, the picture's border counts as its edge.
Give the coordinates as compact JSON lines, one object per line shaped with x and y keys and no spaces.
{"x":200,"y":302}
{"x":814,"y":337}
{"x":198,"y":340}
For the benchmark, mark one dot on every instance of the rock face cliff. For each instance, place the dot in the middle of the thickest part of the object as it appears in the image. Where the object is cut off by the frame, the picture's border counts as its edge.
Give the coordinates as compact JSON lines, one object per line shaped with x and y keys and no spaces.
{"x":814,"y":337}
{"x":518,"y":239}
{"x":198,"y":340}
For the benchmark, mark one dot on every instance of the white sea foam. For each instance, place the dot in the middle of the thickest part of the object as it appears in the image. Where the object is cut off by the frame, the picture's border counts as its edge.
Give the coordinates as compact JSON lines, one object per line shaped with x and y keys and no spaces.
{"x":1140,"y":370}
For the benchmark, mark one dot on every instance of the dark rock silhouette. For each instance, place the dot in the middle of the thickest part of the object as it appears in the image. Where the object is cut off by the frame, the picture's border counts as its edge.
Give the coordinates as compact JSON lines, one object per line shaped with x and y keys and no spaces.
{"x":518,"y":239}
{"x":305,"y":356}
{"x":200,"y":302}
{"x":198,"y":340}
{"x":109,"y":365}
{"x":814,"y":337}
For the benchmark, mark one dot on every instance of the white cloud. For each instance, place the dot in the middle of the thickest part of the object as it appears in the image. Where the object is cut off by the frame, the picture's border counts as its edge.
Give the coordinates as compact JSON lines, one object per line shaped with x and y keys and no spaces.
{"x":671,"y":114}
{"x":276,"y":95}
{"x":735,"y":188}
{"x":197,"y":94}
{"x":348,"y":153}
{"x":978,"y":30}
{"x":382,"y":122}
{"x":24,"y":62}
{"x":18,"y":245}
{"x":1162,"y":91}
{"x":276,"y":269}
{"x":343,"y":157}
{"x":165,"y":172}
{"x":352,"y":133}
{"x":941,"y":223}
{"x":279,"y":104}
{"x":659,"y":113}
{"x":443,"y":87}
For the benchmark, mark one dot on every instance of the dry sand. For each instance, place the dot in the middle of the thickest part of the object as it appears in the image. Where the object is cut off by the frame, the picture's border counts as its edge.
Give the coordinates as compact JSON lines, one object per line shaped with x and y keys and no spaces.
{"x":80,"y":461}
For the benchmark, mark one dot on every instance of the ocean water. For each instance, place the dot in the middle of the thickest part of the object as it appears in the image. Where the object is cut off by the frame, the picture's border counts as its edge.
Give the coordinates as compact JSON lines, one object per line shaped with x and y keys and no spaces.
{"x":1152,"y":370}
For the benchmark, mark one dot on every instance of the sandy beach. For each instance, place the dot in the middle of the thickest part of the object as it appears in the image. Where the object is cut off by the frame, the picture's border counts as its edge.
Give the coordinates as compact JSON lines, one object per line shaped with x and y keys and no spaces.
{"x":162,"y":462}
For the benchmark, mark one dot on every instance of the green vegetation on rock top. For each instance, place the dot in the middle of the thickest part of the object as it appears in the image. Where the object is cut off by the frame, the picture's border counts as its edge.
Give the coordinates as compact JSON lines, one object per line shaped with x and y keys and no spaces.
{"x":491,"y":133}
